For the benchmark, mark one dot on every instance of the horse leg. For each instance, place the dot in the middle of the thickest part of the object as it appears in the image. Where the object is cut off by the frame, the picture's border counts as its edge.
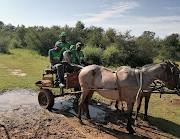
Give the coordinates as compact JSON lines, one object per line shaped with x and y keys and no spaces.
{"x":122,"y":106}
{"x":87,"y":102}
{"x":81,"y":102}
{"x":116,"y":105}
{"x":146,"y":107}
{"x":138,"y":109}
{"x":129,"y":115}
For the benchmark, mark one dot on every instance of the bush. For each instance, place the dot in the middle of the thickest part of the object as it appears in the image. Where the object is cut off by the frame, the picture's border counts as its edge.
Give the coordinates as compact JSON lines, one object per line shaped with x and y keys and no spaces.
{"x":16,"y":44}
{"x":111,"y":56}
{"x":92,"y":55}
{"x":4,"y":42}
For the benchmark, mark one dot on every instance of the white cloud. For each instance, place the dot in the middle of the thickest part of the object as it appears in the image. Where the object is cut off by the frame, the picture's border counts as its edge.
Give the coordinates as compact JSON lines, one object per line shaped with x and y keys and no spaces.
{"x":172,"y":8}
{"x":158,"y":19}
{"x":119,"y":8}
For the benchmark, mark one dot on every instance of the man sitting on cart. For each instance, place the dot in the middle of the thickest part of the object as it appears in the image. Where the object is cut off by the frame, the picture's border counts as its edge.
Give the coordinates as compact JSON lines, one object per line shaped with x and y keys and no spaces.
{"x":80,"y":54}
{"x":65,"y":44}
{"x":56,"y":56}
{"x":71,"y":57}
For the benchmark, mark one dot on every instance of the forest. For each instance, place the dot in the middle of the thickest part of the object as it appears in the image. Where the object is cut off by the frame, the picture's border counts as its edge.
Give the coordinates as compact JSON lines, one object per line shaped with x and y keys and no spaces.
{"x":103,"y":47}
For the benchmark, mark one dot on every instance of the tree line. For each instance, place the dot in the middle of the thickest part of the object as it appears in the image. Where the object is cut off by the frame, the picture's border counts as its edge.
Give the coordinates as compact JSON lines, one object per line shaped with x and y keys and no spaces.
{"x":102,"y":47}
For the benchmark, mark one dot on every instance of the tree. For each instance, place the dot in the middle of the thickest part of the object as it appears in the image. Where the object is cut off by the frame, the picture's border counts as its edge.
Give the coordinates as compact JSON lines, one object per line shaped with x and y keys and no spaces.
{"x":1,"y":24}
{"x":108,"y":38}
{"x":171,"y":47}
{"x":80,"y":25}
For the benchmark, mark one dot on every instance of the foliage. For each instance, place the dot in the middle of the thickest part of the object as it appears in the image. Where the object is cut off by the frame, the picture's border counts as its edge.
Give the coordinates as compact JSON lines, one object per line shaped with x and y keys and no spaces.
{"x":116,"y":48}
{"x":170,"y":47}
{"x":4,"y":42}
{"x":92,"y":55}
{"x":111,"y":56}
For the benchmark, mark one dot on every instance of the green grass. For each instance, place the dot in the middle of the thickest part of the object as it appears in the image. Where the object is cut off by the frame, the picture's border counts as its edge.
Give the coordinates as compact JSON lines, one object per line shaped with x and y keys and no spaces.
{"x":164,"y":113}
{"x":28,"y":62}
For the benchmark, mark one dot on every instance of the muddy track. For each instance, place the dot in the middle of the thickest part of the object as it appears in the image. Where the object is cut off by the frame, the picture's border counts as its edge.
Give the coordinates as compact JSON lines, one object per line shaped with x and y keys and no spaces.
{"x":22,"y":117}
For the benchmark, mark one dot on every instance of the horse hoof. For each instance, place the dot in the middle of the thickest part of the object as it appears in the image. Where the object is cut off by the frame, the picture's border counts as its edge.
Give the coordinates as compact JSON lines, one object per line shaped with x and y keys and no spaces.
{"x":131,"y":130}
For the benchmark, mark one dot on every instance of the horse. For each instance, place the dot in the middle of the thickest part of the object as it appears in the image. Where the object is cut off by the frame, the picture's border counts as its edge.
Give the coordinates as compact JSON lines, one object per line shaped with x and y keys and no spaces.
{"x":124,"y":84}
{"x":174,"y":82}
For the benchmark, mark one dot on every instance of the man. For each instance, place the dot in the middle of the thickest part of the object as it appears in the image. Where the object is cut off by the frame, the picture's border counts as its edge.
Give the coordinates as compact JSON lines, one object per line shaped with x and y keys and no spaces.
{"x":80,"y":54}
{"x":65,"y":44}
{"x":56,"y":56}
{"x":71,"y":58}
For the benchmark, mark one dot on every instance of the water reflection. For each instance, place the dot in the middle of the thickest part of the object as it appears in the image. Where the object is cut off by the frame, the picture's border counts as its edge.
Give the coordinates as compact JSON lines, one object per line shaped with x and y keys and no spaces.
{"x":70,"y":108}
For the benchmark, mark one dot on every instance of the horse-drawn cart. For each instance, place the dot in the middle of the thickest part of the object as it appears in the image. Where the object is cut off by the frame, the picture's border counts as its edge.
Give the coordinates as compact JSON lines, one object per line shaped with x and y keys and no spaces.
{"x":45,"y":95}
{"x":124,"y":84}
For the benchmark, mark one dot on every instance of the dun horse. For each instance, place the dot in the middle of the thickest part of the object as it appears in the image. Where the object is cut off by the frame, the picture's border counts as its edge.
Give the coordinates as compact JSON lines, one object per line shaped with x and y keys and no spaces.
{"x":125,"y":84}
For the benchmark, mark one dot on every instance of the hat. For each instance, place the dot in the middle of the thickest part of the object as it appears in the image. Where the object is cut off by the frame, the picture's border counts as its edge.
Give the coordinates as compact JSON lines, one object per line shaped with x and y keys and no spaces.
{"x":78,"y":43}
{"x":73,"y":48}
{"x":59,"y":44}
{"x":63,"y":34}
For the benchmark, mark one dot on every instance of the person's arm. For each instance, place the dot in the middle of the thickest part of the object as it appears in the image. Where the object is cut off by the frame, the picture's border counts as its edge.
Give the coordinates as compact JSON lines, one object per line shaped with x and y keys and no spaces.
{"x":65,"y":57}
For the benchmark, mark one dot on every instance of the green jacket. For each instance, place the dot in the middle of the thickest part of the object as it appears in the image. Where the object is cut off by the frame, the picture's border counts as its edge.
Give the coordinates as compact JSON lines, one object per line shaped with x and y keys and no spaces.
{"x":72,"y":58}
{"x":80,"y":55}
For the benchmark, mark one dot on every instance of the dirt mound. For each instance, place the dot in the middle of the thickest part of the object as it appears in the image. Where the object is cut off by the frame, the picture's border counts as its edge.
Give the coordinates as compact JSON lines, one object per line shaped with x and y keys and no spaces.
{"x":22,"y":117}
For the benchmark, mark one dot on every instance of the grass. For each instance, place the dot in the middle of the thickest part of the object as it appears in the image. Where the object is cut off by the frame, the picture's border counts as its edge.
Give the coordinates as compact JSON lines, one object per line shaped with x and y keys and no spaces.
{"x":28,"y":62}
{"x":164,"y":113}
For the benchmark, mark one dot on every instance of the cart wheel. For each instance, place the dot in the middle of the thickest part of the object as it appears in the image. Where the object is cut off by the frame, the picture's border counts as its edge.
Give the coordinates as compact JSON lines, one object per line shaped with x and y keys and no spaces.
{"x":46,"y":99}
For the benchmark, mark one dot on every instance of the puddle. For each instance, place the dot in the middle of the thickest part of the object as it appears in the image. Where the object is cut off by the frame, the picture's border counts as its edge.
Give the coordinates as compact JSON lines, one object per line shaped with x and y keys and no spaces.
{"x":16,"y":98}
{"x":69,"y":108}
{"x":66,"y":106}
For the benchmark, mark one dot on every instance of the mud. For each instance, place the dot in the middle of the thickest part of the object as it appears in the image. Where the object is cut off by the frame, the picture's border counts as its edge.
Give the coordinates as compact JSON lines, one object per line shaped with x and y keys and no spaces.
{"x":22,"y":117}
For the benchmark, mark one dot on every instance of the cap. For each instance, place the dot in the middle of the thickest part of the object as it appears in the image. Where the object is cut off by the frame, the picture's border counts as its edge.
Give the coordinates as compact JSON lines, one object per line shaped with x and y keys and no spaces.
{"x":78,"y":43}
{"x":63,"y":34}
{"x":73,"y":48}
{"x":59,"y":44}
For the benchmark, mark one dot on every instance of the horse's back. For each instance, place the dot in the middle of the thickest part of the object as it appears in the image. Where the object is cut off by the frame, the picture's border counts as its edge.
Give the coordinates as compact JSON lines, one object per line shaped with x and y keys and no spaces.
{"x":86,"y":76}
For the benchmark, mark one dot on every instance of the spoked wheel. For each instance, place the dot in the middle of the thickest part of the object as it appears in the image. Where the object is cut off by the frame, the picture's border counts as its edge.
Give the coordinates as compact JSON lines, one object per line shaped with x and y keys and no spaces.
{"x":46,"y":99}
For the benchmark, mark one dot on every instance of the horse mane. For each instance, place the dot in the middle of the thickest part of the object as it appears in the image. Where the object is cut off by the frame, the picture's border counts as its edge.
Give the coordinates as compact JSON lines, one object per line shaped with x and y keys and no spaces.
{"x":146,"y":66}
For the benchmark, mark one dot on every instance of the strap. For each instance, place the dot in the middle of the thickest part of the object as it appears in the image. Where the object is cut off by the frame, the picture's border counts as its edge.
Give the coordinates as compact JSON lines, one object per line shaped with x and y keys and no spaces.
{"x":118,"y":87}
{"x":138,"y":74}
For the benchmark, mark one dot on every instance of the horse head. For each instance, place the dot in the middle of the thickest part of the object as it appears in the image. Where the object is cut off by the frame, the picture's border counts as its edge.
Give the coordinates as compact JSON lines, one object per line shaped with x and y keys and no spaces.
{"x":172,"y":74}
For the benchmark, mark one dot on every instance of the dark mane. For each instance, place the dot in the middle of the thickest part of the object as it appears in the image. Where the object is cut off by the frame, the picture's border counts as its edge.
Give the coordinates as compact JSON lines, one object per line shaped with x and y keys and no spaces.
{"x":146,"y":66}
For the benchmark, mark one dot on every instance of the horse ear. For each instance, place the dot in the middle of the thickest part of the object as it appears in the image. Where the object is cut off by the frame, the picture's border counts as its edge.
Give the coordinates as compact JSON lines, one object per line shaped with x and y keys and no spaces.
{"x":174,"y":63}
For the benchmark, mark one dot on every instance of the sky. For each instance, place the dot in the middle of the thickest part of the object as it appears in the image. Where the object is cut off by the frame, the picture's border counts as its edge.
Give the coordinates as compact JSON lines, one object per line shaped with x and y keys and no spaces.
{"x":159,"y":16}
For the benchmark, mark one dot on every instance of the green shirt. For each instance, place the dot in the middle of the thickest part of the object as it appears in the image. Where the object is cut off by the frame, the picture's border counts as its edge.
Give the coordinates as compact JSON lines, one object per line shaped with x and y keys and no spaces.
{"x":72,"y":58}
{"x":80,"y":55}
{"x":65,"y":45}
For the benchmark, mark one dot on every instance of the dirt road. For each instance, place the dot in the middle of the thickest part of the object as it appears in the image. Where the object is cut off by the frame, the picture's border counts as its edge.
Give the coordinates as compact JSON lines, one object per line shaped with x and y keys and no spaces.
{"x":22,"y":117}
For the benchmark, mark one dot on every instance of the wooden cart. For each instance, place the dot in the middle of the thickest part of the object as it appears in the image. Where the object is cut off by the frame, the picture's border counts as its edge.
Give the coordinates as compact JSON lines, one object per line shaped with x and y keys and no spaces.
{"x":45,"y":95}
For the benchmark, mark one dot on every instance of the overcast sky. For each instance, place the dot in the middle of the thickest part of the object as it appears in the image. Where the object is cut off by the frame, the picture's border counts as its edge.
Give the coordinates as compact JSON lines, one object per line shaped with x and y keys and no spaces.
{"x":159,"y":16}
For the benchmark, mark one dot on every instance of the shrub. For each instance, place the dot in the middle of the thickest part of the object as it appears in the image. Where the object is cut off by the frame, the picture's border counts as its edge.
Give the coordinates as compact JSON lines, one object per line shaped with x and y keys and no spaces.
{"x":16,"y":44}
{"x":92,"y":55}
{"x":4,"y":42}
{"x":111,"y":56}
